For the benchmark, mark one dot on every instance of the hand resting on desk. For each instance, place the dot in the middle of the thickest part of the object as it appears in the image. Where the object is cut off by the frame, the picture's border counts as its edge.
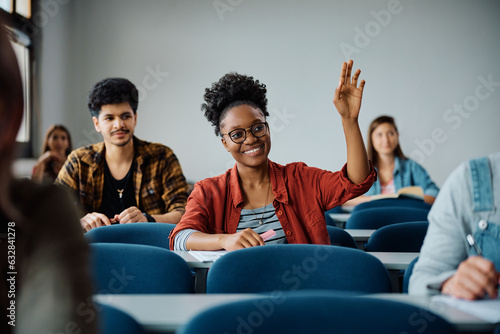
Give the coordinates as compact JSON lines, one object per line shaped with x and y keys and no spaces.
{"x":243,"y":239}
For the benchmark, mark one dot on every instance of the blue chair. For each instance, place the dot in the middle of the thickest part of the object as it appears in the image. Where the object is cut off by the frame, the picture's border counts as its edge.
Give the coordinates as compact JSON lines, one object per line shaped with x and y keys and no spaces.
{"x":339,"y":237}
{"x":112,"y":320}
{"x":398,"y":202}
{"x":375,"y":218}
{"x":407,"y":275}
{"x":400,"y":237}
{"x":316,"y":313}
{"x":138,"y":269}
{"x":137,"y":233}
{"x":297,"y":267}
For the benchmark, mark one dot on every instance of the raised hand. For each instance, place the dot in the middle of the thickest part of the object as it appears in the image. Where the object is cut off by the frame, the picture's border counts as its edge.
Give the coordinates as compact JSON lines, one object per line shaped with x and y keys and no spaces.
{"x":347,"y":96}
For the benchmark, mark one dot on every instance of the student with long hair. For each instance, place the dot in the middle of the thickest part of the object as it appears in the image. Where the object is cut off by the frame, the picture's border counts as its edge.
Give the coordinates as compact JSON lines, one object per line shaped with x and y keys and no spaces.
{"x":394,"y":169}
{"x":56,"y":147}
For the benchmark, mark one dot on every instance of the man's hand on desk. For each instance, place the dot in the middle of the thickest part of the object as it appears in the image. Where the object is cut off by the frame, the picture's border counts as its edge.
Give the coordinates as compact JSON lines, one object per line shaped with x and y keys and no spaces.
{"x":93,"y":220}
{"x":131,"y":215}
{"x":475,"y":277}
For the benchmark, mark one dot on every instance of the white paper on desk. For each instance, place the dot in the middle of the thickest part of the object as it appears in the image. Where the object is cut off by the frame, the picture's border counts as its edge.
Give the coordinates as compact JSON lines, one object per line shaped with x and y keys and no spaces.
{"x":207,"y":256}
{"x":486,"y":309}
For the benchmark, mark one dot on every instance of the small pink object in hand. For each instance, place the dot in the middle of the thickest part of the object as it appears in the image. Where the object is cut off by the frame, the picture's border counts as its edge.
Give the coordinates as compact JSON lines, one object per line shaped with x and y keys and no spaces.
{"x":268,"y":235}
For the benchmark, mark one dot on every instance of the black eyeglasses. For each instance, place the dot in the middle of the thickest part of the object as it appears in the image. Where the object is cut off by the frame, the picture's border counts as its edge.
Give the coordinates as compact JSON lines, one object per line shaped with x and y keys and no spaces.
{"x":238,"y":136}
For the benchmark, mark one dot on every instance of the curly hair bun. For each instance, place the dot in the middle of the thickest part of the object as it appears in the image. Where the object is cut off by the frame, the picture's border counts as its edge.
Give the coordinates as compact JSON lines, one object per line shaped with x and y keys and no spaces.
{"x":231,"y":90}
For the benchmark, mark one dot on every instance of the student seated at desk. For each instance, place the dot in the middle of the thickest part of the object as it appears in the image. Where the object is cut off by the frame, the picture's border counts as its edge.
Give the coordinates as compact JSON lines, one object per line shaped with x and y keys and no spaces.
{"x":230,"y":211}
{"x":394,"y":169}
{"x":461,"y":251}
{"x":123,"y":179}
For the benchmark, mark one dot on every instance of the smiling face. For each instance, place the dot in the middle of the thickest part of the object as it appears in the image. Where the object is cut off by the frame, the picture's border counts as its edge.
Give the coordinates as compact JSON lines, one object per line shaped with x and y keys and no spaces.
{"x":116,"y":123}
{"x":253,"y":151}
{"x":58,"y":141}
{"x":385,"y":139}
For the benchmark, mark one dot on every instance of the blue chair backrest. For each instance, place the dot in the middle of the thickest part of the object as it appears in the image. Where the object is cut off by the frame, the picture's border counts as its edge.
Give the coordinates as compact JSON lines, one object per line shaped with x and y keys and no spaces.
{"x":297,"y":267}
{"x":339,"y":237}
{"x":400,"y":237}
{"x":399,"y":202}
{"x":134,"y":269}
{"x":375,"y":218}
{"x":137,"y":233}
{"x":407,"y":275}
{"x":112,"y":321}
{"x":316,"y":313}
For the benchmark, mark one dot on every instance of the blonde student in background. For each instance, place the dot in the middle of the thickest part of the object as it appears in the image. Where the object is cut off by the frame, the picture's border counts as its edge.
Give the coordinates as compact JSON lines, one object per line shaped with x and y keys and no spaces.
{"x":394,"y":170}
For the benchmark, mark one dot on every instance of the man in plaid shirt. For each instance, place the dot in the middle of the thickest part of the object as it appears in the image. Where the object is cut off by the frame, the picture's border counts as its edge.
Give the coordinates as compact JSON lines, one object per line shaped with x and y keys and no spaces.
{"x":123,"y":179}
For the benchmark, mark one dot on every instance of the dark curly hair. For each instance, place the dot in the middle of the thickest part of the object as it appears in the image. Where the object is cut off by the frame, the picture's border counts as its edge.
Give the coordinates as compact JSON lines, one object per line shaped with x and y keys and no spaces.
{"x":232,"y":90}
{"x":112,"y":91}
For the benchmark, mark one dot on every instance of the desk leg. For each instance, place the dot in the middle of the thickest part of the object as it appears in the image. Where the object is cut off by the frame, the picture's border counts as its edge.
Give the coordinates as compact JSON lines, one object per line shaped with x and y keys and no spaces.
{"x":361,"y":244}
{"x":200,"y":280}
{"x":394,"y":274}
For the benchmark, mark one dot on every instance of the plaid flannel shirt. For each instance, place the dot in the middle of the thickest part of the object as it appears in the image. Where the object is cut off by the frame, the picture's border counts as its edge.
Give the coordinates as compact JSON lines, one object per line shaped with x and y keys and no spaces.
{"x":160,"y":185}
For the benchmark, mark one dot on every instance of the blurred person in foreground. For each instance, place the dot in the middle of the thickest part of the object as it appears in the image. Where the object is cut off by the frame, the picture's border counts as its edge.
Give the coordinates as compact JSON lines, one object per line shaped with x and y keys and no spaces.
{"x":46,"y":286}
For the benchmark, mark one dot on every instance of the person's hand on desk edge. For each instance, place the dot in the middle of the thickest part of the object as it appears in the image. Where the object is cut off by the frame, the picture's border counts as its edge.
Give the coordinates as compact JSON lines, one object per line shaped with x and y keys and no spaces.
{"x":475,"y":278}
{"x":244,"y":239}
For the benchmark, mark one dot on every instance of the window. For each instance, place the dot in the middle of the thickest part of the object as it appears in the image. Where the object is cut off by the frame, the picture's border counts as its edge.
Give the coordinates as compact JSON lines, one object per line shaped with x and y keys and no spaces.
{"x":6,"y":5}
{"x":17,"y":15}
{"x":23,"y":7}
{"x":22,"y":53}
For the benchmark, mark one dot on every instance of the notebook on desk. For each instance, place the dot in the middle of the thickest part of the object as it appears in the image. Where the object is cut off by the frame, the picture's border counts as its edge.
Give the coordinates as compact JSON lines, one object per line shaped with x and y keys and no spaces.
{"x":414,"y":192}
{"x":486,"y":309}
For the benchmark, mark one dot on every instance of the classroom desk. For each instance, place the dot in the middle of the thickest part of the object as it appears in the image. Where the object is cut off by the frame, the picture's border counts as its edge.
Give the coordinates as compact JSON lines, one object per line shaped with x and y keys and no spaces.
{"x":360,"y":236}
{"x":393,"y":261}
{"x":167,"y":313}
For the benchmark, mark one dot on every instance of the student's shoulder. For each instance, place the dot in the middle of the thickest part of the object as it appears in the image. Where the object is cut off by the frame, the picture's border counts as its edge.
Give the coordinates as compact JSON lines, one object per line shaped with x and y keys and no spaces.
{"x":205,"y":189}
{"x":150,"y":149}
{"x":411,"y":164}
{"x":216,"y":181}
{"x":87,"y":153}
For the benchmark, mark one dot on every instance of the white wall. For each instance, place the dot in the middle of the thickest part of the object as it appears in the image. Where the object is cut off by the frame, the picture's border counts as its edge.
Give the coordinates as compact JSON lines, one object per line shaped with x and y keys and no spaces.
{"x":420,"y":63}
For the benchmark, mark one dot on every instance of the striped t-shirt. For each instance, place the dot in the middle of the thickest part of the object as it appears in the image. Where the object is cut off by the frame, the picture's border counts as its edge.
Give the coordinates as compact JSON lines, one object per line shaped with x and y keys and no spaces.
{"x":260,"y":220}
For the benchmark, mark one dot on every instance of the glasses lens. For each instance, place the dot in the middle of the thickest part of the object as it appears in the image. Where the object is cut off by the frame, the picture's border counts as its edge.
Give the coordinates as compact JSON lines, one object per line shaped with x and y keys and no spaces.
{"x":259,"y":130}
{"x":237,"y":136}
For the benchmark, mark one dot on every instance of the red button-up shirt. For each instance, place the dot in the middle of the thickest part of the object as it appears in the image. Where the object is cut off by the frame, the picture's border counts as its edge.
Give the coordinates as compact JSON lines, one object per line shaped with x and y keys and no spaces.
{"x":301,"y":196}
